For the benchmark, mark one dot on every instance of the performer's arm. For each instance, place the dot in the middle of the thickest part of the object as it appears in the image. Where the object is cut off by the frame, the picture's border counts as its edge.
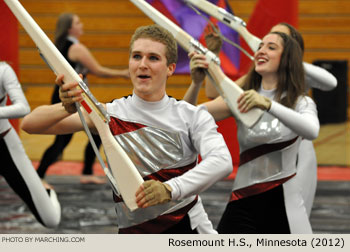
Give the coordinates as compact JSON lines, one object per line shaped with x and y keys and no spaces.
{"x":317,"y":77}
{"x":303,"y":120}
{"x":79,"y":52}
{"x":216,"y":161}
{"x":197,"y":65}
{"x":54,"y":119}
{"x":19,"y":106}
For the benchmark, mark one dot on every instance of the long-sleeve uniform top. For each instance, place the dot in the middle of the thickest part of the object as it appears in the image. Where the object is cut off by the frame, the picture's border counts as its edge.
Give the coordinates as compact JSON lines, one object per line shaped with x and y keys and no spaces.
{"x":163,"y":139}
{"x":10,"y":86}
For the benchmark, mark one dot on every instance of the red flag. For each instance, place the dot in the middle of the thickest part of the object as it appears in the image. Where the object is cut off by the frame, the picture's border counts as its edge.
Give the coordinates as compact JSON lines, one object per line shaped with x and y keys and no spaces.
{"x":9,"y":43}
{"x":266,"y":14}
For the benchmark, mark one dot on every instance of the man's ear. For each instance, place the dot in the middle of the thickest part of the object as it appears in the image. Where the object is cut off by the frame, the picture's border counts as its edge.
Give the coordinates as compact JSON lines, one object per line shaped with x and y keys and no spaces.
{"x":171,"y":69}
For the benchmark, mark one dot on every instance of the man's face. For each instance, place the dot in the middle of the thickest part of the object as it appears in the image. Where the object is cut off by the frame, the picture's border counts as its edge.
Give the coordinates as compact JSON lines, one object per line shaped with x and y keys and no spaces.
{"x":148,"y":69}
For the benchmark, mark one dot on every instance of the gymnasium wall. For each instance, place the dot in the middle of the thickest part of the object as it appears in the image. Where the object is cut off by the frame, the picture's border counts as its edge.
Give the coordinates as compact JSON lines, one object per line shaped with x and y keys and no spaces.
{"x":108,"y":25}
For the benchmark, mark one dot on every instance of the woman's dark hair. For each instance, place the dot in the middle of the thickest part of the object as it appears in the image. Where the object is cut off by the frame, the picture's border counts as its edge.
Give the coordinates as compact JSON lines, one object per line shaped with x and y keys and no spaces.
{"x":290,"y":73}
{"x":295,"y":34}
{"x":64,"y":23}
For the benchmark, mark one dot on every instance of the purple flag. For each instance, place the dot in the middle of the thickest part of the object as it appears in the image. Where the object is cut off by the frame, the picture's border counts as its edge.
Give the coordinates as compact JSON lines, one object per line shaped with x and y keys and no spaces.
{"x":194,"y":24}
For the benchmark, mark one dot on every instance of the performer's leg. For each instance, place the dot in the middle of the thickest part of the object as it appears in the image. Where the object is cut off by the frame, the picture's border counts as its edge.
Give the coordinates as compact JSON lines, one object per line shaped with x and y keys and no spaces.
{"x":307,"y":173}
{"x":19,"y":173}
{"x":53,"y":152}
{"x":89,"y":159}
{"x":297,"y":215}
{"x":263,"y":213}
{"x":90,"y":156}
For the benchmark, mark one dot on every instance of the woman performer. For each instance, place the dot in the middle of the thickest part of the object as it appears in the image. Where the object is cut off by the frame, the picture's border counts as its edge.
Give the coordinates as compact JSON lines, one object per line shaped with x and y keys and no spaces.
{"x":315,"y":77}
{"x":266,"y":197}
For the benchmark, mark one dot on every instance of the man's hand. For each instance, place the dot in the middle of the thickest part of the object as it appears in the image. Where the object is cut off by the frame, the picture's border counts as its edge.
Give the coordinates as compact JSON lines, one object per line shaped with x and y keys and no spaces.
{"x":151,"y":193}
{"x":250,"y":99}
{"x":197,"y":65}
{"x":69,"y":94}
{"x":212,"y":39}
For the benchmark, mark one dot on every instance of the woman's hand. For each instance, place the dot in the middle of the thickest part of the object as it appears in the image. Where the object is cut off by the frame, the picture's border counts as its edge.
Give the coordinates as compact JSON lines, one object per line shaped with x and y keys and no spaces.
{"x":250,"y":99}
{"x":212,"y":39}
{"x":69,"y":94}
{"x":198,"y":64}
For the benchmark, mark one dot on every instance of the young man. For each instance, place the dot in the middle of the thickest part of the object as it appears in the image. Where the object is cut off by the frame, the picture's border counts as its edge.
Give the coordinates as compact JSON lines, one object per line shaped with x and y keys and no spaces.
{"x":162,"y":136}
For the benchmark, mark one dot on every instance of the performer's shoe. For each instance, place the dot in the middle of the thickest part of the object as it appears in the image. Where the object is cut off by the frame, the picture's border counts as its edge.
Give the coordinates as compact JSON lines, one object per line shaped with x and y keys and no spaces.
{"x":90,"y":179}
{"x":55,"y":220}
{"x":53,"y":197}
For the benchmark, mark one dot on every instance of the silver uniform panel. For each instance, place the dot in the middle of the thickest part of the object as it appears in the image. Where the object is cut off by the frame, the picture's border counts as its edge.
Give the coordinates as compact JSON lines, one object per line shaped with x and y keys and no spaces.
{"x":151,"y":150}
{"x":268,"y":167}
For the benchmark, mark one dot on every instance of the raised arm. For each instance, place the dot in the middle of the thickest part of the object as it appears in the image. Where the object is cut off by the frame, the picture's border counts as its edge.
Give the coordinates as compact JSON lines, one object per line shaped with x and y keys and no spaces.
{"x":197,"y":65}
{"x":79,"y":52}
{"x":214,"y":43}
{"x":317,"y":77}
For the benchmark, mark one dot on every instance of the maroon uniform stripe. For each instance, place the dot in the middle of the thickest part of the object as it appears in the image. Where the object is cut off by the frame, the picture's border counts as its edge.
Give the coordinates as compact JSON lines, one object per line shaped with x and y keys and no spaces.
{"x":263,"y":149}
{"x":118,"y":126}
{"x":257,"y":188}
{"x":4,"y":133}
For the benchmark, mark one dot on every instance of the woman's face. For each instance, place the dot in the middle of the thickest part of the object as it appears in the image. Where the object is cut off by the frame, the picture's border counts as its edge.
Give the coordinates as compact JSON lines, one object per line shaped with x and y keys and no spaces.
{"x":268,"y":56}
{"x":77,"y":27}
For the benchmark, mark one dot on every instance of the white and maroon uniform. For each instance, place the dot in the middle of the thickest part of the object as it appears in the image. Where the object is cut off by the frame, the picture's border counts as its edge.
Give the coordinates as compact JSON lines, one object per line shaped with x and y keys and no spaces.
{"x":268,"y":156}
{"x":163,"y":139}
{"x":16,"y":167}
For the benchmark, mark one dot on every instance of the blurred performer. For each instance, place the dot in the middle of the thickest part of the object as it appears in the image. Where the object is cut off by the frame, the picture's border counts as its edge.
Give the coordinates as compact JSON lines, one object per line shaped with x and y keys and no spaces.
{"x":16,"y":167}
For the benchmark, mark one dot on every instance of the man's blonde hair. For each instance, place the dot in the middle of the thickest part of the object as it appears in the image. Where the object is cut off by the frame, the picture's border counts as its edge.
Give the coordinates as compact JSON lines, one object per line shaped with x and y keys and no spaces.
{"x":159,"y":34}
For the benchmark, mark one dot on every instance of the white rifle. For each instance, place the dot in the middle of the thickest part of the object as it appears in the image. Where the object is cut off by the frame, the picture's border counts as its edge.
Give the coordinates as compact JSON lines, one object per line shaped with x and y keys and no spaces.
{"x":228,"y":19}
{"x":125,"y":177}
{"x":228,"y":89}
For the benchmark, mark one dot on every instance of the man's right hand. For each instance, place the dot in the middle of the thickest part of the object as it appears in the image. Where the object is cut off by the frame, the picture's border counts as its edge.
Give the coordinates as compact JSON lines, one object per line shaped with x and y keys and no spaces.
{"x":69,"y":94}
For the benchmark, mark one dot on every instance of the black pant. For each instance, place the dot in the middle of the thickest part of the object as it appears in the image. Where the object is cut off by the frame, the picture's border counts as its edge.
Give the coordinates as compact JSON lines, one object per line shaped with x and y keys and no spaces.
{"x":263,"y":213}
{"x":56,"y":149}
{"x":15,"y":180}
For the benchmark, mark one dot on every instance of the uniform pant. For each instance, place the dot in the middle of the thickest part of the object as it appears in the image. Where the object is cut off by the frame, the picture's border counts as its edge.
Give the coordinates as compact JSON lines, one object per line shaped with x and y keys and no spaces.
{"x":264,"y":213}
